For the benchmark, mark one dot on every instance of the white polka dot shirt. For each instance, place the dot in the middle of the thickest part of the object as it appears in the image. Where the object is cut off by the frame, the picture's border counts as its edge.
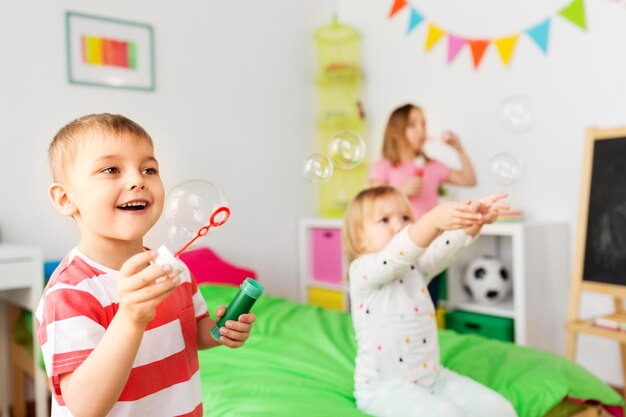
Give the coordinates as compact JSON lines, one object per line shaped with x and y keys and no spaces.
{"x":392,"y":312}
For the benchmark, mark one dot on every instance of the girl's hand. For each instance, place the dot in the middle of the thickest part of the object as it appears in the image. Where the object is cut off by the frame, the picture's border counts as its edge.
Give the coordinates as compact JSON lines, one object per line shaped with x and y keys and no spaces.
{"x":138,"y":289}
{"x":489,"y":207}
{"x":411,"y":187}
{"x":454,"y":215}
{"x":235,"y":333}
{"x":446,"y":216}
{"x":452,"y":140}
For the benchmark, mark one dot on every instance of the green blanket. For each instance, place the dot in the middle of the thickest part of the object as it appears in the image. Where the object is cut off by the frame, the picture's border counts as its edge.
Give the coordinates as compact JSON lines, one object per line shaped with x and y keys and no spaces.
{"x":299,"y":361}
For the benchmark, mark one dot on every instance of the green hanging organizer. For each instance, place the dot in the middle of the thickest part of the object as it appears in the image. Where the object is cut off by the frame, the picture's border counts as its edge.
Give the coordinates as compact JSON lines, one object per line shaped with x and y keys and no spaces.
{"x":339,"y":79}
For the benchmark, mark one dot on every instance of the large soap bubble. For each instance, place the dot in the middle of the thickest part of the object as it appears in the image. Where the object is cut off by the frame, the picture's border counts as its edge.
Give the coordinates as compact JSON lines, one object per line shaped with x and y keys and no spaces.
{"x":346,"y":149}
{"x":191,"y":209}
{"x":516,"y":114}
{"x":505,"y":168}
{"x":318,"y":168}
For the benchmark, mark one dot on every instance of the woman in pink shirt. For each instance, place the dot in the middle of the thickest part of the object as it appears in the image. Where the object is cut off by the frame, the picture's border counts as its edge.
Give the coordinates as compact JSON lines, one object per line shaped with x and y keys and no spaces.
{"x":405,"y":166}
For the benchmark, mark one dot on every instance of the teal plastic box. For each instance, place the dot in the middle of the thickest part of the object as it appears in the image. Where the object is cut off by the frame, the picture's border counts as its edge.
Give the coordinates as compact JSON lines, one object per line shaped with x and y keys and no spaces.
{"x":488,"y":326}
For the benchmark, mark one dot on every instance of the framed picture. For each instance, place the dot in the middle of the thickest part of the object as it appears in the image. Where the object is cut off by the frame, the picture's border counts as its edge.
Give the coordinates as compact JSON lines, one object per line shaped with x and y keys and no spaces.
{"x":109,"y":52}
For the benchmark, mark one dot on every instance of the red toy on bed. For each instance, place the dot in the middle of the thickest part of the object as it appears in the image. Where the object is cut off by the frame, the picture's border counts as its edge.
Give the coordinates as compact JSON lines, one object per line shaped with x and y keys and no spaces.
{"x":207,"y":267}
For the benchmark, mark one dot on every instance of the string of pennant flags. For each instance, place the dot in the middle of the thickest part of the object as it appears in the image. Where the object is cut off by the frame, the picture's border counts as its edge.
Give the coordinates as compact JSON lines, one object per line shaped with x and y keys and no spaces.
{"x":539,"y":33}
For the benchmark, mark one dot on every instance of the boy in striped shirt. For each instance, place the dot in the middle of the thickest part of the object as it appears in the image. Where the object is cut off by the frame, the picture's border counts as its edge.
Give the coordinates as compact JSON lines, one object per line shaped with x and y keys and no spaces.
{"x":120,"y":334}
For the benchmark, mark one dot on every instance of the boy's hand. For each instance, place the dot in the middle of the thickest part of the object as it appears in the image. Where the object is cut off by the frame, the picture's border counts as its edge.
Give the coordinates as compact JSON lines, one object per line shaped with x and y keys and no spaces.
{"x":138,"y":292}
{"x":489,"y":207}
{"x":235,"y":333}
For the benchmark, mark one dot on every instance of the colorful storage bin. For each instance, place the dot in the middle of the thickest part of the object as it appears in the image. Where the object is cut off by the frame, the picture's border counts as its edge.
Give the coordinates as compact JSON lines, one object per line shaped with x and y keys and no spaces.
{"x":488,"y":326}
{"x":334,"y":300}
{"x":326,"y":255}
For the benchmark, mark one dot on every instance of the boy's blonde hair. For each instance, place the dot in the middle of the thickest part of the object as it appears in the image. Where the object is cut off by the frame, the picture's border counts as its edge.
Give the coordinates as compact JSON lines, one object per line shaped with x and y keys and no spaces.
{"x":395,"y":132}
{"x":64,"y":145}
{"x":362,"y":207}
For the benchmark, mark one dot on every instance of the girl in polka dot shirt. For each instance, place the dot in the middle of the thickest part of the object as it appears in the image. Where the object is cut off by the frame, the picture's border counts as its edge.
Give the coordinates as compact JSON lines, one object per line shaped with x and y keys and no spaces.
{"x":392,"y":259}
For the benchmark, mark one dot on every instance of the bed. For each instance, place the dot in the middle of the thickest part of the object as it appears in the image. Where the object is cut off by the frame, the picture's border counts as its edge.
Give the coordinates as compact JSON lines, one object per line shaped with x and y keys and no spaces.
{"x":299,"y":361}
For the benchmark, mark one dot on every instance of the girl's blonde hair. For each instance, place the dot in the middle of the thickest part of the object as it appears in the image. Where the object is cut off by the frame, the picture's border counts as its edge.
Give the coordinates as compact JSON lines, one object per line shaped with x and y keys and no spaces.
{"x":361,"y":208}
{"x":64,"y":145}
{"x":395,"y":132}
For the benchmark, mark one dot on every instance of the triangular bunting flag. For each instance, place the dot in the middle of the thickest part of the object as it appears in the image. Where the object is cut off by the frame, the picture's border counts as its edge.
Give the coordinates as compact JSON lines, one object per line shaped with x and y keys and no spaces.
{"x":505,"y":48}
{"x":575,"y":13}
{"x":414,"y":19}
{"x":478,"y":47}
{"x":434,"y":35}
{"x":455,"y":43}
{"x":396,"y":7}
{"x":540,"y":34}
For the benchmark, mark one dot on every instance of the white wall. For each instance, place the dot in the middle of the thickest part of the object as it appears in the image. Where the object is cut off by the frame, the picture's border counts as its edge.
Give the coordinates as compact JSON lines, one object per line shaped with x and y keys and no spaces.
{"x":233,"y":105}
{"x":578,"y":84}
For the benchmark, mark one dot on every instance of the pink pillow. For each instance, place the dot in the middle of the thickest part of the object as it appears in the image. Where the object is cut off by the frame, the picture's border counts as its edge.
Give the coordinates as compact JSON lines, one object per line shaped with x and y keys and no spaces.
{"x":207,"y":267}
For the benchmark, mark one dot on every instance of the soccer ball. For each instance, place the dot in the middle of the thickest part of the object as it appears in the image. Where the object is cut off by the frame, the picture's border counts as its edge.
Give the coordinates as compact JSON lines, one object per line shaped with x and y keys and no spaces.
{"x":486,"y":280}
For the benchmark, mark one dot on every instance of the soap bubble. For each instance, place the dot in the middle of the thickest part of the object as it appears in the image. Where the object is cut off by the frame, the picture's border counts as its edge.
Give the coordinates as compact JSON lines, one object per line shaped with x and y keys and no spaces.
{"x":516,"y":114}
{"x":192,"y":205}
{"x":346,"y":149}
{"x":318,"y":168}
{"x":506,"y":168}
{"x":179,"y":236}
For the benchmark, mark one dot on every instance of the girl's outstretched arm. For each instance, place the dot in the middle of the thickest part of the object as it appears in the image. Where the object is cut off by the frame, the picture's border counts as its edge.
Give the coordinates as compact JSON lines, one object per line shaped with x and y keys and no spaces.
{"x":374,"y":270}
{"x":446,"y":216}
{"x":445,"y":248}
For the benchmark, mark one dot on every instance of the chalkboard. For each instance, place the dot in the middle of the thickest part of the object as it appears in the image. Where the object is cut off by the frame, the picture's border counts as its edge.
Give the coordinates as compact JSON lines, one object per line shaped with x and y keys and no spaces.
{"x":605,"y":242}
{"x":600,"y":258}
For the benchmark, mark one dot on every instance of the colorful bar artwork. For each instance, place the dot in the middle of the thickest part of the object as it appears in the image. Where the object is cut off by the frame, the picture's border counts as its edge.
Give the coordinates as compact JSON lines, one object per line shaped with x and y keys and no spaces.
{"x":109,"y":52}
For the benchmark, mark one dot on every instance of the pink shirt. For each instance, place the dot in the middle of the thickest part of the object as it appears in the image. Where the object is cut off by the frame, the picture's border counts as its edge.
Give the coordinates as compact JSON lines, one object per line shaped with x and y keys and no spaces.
{"x":435,"y":174}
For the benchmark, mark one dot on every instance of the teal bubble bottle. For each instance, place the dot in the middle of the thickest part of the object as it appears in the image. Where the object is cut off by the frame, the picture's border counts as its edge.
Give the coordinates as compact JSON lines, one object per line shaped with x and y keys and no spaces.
{"x":249,"y":291}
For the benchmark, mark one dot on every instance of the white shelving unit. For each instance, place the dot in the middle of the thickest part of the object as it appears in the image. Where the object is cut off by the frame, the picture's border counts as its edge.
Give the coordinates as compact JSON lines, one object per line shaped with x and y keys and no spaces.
{"x":535,"y":254}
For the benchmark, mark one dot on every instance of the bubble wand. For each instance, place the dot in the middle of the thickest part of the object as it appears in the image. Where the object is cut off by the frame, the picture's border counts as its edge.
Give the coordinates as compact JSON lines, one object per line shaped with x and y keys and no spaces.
{"x":180,"y":205}
{"x":223,"y":211}
{"x":192,"y":209}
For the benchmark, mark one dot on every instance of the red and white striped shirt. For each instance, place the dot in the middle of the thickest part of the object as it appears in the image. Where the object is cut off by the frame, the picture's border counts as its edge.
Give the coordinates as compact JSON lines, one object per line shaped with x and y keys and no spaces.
{"x":77,"y":307}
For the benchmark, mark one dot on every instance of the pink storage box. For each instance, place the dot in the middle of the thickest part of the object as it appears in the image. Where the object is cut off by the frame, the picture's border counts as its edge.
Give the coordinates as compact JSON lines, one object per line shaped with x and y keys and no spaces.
{"x":326,"y":255}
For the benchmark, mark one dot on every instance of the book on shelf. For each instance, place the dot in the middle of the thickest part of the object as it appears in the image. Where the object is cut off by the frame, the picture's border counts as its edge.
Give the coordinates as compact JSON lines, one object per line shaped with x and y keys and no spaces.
{"x":511,"y":216}
{"x":615,"y":321}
